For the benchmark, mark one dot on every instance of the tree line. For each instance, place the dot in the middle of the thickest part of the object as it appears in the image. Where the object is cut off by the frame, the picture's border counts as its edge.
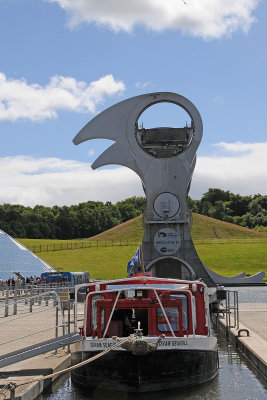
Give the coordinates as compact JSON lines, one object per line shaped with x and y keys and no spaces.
{"x":77,"y":221}
{"x":93,"y":217}
{"x":247,"y":211}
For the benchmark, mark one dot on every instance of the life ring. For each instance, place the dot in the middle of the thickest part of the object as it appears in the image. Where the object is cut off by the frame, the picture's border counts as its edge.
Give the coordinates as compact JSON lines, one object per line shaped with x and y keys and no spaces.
{"x":43,"y":280}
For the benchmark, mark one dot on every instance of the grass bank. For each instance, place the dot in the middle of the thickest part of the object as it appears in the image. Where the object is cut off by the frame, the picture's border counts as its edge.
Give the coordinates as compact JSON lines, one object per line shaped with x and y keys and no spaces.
{"x":225,"y":248}
{"x":110,"y":262}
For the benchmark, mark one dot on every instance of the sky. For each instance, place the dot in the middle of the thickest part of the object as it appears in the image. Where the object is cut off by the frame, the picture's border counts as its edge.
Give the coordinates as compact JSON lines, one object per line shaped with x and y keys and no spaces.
{"x":63,"y":61}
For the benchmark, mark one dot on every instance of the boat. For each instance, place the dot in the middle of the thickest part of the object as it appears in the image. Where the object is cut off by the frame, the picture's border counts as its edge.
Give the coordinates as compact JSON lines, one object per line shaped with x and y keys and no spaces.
{"x":145,"y":334}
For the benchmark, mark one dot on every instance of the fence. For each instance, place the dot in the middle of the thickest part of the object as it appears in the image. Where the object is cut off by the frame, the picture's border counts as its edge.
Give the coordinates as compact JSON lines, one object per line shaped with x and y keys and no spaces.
{"x":125,"y":242}
{"x":82,"y":245}
{"x":23,"y":324}
{"x":230,"y":241}
{"x":14,"y":300}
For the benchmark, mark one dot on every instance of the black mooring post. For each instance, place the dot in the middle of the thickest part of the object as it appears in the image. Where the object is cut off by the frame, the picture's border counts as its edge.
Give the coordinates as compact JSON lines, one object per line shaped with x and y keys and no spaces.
{"x":11,"y":388}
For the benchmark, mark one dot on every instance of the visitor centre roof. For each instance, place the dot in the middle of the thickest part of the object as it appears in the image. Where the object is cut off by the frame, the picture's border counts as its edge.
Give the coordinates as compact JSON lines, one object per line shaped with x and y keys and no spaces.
{"x":15,"y":257}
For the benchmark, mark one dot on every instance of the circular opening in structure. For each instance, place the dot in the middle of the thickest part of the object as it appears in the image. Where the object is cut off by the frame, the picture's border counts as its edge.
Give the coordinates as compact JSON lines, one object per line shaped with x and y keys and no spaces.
{"x":171,"y":268}
{"x":164,"y":130}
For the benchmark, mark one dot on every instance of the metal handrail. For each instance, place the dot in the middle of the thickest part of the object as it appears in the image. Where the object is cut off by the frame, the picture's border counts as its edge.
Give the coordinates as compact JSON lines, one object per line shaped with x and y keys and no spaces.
{"x":63,"y":324}
{"x":112,"y":312}
{"x":135,"y":287}
{"x":164,"y":313}
{"x":232,"y":307}
{"x":31,"y":334}
{"x":26,"y":315}
{"x":22,"y":300}
{"x":39,"y":296}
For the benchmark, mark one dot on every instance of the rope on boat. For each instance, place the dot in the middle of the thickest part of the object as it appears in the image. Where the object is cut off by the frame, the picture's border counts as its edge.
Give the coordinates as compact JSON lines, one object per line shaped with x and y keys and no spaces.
{"x":133,"y":343}
{"x":140,"y":346}
{"x":15,"y":385}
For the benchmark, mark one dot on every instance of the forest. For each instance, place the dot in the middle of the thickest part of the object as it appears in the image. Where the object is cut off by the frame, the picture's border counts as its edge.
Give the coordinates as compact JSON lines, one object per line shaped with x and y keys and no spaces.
{"x":247,"y":211}
{"x":90,"y":218}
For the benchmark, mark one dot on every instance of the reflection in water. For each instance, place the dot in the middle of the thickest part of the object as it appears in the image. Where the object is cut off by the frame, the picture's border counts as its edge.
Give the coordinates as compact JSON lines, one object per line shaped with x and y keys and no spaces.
{"x":235,"y":381}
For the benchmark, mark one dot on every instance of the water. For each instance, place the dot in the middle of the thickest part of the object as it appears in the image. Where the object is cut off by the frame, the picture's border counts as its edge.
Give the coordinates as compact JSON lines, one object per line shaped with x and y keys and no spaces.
{"x":236,"y":380}
{"x":254,"y":294}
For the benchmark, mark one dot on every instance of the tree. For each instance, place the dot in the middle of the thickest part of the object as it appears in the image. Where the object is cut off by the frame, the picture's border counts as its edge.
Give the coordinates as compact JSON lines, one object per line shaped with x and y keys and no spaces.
{"x":238,"y":205}
{"x":218,"y":211}
{"x":214,"y":194}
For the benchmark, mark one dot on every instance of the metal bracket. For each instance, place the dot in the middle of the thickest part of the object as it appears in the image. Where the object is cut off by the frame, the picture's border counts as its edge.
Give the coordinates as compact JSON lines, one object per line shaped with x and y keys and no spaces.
{"x":243,"y":330}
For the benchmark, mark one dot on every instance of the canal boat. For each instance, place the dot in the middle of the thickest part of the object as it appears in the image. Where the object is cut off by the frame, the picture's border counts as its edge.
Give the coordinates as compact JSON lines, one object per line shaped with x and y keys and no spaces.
{"x":167,"y":322}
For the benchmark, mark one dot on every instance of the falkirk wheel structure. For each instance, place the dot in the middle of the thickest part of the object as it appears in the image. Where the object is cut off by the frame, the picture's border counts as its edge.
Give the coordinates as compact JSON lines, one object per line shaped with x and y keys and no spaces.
{"x":164,"y":158}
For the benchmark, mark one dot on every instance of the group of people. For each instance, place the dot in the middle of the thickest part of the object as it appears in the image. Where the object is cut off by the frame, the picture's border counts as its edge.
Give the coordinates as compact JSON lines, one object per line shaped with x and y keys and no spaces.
{"x":28,"y":280}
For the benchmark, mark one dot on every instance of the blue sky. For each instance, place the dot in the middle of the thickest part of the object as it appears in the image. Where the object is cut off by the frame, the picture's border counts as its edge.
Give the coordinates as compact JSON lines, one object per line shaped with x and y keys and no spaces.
{"x":63,"y":61}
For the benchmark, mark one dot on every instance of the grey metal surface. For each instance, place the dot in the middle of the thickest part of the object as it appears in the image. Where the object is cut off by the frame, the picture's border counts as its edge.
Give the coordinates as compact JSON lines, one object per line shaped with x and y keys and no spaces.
{"x":15,"y":257}
{"x":40,"y":348}
{"x":164,"y":158}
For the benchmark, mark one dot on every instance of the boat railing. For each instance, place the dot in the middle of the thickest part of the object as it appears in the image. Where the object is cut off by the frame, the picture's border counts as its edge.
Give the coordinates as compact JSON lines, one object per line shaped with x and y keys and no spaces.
{"x":136,"y":287}
{"x":98,"y":282}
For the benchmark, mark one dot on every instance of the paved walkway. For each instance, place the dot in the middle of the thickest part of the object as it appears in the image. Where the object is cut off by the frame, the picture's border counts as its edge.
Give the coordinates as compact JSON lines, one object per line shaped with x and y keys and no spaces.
{"x":24,"y":324}
{"x":254,"y":317}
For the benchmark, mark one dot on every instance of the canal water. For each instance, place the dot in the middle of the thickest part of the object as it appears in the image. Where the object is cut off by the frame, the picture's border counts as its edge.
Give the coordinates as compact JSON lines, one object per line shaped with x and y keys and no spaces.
{"x":236,"y":380}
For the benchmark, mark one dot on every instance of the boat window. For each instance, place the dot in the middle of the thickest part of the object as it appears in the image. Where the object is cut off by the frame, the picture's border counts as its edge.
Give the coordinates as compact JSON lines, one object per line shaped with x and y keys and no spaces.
{"x":128,"y":319}
{"x":182,"y":297}
{"x":173,"y":317}
{"x":94,"y":301}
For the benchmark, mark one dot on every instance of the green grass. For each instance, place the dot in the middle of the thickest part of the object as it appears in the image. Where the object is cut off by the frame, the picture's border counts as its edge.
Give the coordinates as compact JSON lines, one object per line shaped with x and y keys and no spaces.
{"x":205,"y":227}
{"x":225,"y":248}
{"x":111,"y":262}
{"x":101,"y":262}
{"x":231,"y":259}
{"x":131,"y":232}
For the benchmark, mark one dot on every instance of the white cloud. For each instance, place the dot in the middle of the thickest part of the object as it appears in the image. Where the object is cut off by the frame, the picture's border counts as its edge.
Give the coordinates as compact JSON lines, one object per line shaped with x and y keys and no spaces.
{"x":218,"y":100}
{"x":50,"y":181}
{"x":91,"y":152}
{"x":18,"y":99}
{"x":205,"y":18}
{"x":142,"y":85}
{"x":239,"y":147}
{"x":241,"y":170}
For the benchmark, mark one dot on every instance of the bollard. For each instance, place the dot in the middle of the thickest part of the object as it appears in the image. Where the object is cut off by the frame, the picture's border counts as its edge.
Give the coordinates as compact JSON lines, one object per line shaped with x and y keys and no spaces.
{"x":6,"y":303}
{"x":39,"y":296}
{"x":69,"y":324}
{"x":69,"y":316}
{"x":56,"y":333}
{"x":11,"y":388}
{"x":63,"y":314}
{"x":31,"y":299}
{"x":15,"y":299}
